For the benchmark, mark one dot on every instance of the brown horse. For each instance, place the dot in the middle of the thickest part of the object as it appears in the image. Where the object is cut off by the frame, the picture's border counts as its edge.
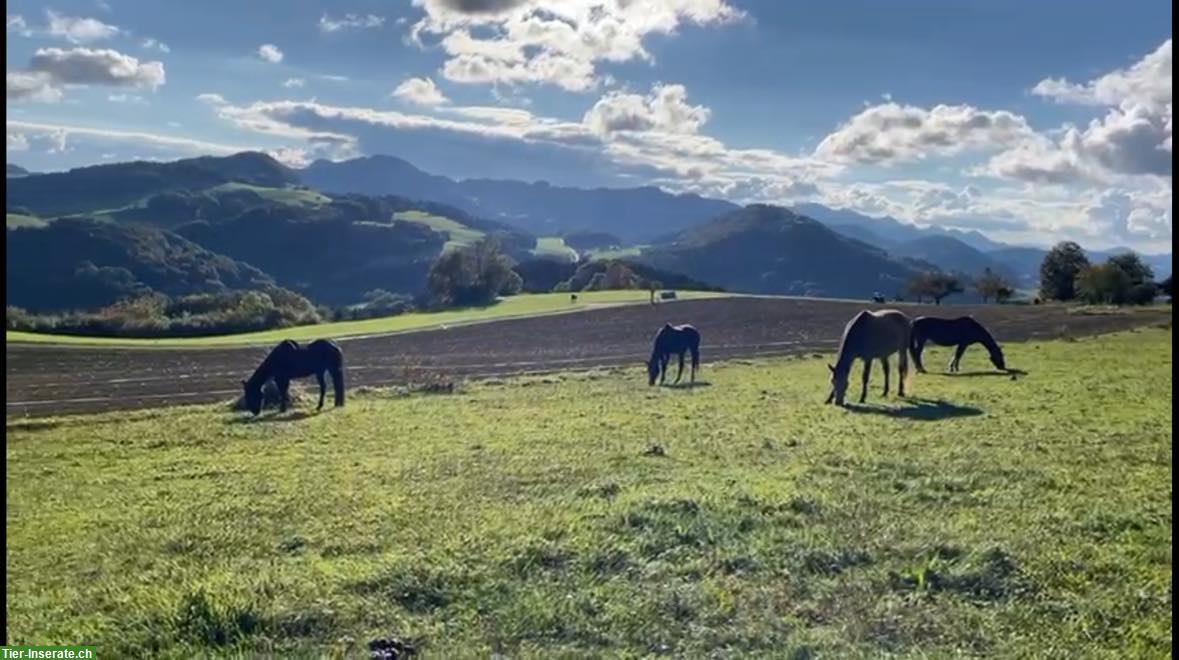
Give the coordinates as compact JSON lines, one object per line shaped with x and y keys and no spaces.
{"x":871,"y":336}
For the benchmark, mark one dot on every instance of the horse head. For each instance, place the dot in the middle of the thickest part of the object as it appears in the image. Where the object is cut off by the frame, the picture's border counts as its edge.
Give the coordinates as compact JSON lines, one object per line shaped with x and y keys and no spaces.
{"x":838,"y":385}
{"x":652,"y":371}
{"x":252,"y":398}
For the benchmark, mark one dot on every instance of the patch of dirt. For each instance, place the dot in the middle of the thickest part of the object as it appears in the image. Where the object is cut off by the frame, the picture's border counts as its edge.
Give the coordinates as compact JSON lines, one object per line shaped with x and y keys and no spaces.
{"x":52,"y":380}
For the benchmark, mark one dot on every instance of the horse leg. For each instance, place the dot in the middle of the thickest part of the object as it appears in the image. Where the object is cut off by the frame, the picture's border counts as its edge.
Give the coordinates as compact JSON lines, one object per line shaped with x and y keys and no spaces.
{"x":903,"y":368}
{"x":284,"y":387}
{"x":679,"y":374}
{"x":664,"y":360}
{"x":958,"y":356}
{"x":884,"y":363}
{"x":322,"y":389}
{"x":867,"y":370}
{"x":918,"y":347}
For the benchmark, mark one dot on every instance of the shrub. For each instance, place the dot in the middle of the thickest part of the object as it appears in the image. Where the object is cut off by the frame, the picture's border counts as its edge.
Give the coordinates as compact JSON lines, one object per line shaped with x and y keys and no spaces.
{"x":470,"y":276}
{"x":1059,"y":271}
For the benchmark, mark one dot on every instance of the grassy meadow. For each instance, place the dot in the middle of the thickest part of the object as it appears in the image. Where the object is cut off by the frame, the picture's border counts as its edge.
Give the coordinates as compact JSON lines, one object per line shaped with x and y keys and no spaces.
{"x":528,"y":304}
{"x":588,"y":515}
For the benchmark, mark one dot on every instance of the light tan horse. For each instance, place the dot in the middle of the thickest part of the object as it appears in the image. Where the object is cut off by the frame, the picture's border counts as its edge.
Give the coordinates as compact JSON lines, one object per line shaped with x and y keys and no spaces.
{"x":871,"y":336}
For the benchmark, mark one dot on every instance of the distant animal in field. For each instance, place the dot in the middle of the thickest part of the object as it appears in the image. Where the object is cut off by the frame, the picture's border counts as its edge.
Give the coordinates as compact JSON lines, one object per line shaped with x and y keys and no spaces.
{"x":289,"y":360}
{"x":667,"y":295}
{"x":878,"y":298}
{"x":573,"y":298}
{"x":961,"y":332}
{"x":871,"y":336}
{"x":673,"y":339}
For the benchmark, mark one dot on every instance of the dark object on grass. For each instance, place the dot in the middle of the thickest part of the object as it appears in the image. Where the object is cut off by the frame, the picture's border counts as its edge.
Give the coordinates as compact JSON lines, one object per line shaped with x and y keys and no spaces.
{"x":289,"y":360}
{"x":961,"y":332}
{"x":678,"y":339}
{"x":390,"y":649}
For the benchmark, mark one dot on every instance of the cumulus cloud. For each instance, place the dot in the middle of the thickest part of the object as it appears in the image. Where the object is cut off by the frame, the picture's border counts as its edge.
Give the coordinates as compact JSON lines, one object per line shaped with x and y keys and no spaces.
{"x":350,"y":22}
{"x":662,"y":144}
{"x":83,"y":66}
{"x":290,"y":83}
{"x":1132,"y":139}
{"x":270,"y":53}
{"x":891,"y":133}
{"x":31,"y":86}
{"x":664,"y":109}
{"x":78,"y":30}
{"x":50,"y":70}
{"x":420,"y":91}
{"x":553,"y":42}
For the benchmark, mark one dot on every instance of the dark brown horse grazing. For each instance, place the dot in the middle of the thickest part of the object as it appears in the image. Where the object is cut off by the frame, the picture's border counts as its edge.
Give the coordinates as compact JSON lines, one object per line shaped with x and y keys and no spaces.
{"x":670,"y":339}
{"x":961,"y":332}
{"x":290,"y":360}
{"x":871,"y":336}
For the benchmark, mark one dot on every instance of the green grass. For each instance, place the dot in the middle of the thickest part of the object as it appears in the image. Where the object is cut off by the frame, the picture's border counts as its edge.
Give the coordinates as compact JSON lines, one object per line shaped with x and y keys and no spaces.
{"x":529,"y":517}
{"x":521,"y":305}
{"x":459,"y":234}
{"x":14,"y":220}
{"x":616,"y":253}
{"x":286,"y":195}
{"x":553,"y":246}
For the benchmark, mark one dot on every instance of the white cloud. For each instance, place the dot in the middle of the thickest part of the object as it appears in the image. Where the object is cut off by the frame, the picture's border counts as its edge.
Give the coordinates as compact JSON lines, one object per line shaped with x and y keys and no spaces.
{"x":420,"y":91}
{"x":17,"y":142}
{"x":331,"y":78}
{"x":555,"y":42}
{"x":16,"y":23}
{"x":155,"y":44}
{"x":350,"y":22}
{"x":664,"y":109}
{"x":1147,"y":82}
{"x":58,"y":137}
{"x":126,"y":98}
{"x":270,"y":53}
{"x":1133,"y":138}
{"x":78,"y":30}
{"x":83,"y":66}
{"x":891,"y":133}
{"x":30,"y":86}
{"x":290,"y":83}
{"x":211,"y":99}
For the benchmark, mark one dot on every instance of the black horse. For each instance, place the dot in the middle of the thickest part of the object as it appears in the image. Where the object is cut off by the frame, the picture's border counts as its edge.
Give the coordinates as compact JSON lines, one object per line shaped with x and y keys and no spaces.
{"x":678,"y":339}
{"x":290,"y":360}
{"x":961,"y":332}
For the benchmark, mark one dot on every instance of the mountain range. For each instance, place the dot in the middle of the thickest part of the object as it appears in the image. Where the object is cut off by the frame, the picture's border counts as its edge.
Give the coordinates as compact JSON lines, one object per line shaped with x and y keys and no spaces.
{"x":335,"y":231}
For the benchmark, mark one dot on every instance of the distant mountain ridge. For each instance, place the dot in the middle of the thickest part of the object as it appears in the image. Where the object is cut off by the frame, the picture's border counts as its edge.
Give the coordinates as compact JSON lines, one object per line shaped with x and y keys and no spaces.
{"x":634,"y":214}
{"x":773,"y":250}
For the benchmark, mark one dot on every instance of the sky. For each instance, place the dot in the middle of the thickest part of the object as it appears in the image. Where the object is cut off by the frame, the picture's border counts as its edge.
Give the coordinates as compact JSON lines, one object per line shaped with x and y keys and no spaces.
{"x":1032,"y":122}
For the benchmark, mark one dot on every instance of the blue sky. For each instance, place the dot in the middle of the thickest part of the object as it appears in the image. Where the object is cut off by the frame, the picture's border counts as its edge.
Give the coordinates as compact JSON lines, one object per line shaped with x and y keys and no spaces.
{"x":1030,"y":121}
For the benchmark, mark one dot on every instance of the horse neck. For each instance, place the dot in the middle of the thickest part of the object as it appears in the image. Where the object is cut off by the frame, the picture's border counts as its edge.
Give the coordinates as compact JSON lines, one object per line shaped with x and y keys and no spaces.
{"x":983,"y":337}
{"x":261,"y":374}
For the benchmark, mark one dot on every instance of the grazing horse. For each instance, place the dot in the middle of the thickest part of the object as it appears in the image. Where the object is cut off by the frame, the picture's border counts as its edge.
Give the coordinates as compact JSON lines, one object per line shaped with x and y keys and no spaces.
{"x":961,"y":332}
{"x":670,"y":339}
{"x":290,"y":360}
{"x":871,"y":336}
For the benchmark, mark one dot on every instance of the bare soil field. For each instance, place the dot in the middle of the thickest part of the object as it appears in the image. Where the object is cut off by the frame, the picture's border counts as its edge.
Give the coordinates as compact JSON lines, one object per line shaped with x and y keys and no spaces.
{"x":54,"y":379}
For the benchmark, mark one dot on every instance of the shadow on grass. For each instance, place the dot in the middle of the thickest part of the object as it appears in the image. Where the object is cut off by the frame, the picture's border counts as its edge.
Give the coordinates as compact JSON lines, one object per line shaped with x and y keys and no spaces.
{"x":688,"y":386}
{"x":920,"y":409}
{"x":975,"y":374}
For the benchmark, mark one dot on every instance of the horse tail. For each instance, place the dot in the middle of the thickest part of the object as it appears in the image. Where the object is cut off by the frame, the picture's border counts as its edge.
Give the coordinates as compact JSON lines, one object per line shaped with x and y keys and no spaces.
{"x":696,"y":353}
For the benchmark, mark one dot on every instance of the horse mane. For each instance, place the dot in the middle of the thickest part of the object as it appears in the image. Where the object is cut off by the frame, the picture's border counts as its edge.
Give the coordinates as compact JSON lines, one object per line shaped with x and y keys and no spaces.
{"x":263,"y":372}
